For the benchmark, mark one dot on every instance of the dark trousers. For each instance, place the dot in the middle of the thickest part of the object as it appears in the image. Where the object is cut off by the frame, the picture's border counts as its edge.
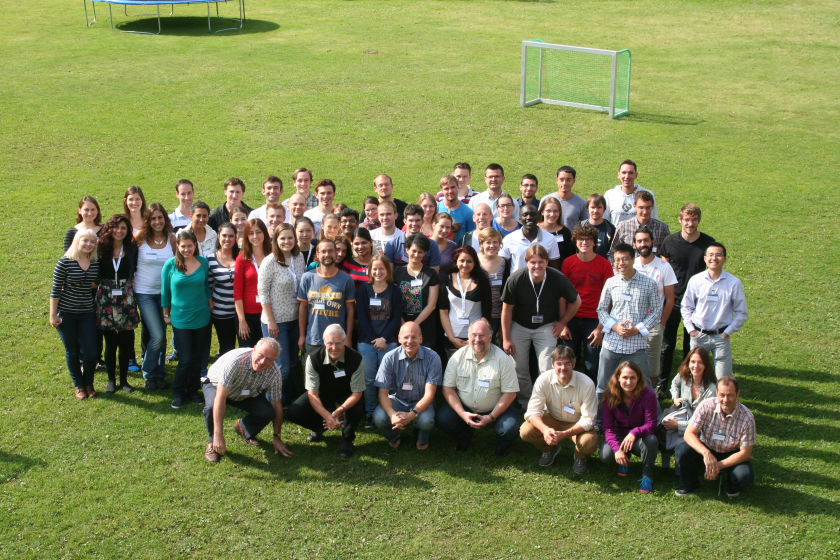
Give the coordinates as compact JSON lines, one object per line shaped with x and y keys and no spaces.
{"x":301,"y":413}
{"x":669,"y":344}
{"x":691,"y":466}
{"x":226,"y":333}
{"x":78,"y":333}
{"x":253,"y":320}
{"x":506,"y":426}
{"x":260,"y":411}
{"x":193,"y":346}
{"x":124,"y":342}
{"x":580,"y":329}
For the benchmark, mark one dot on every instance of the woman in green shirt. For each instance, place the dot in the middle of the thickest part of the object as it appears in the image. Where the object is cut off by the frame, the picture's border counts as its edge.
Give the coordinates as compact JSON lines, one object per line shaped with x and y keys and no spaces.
{"x":187,"y":301}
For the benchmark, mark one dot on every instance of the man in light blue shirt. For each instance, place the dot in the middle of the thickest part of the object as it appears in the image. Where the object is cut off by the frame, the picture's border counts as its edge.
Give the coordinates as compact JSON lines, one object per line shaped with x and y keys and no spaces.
{"x":462,"y":215}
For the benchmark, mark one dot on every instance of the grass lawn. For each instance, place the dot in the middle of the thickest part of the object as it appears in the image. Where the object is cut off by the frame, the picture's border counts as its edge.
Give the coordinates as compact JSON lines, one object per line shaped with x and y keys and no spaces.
{"x":734,"y":107}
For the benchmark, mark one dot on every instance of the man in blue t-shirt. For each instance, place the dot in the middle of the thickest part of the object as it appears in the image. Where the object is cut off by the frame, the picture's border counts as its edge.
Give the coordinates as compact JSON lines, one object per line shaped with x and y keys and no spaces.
{"x":395,"y":249}
{"x":462,"y":215}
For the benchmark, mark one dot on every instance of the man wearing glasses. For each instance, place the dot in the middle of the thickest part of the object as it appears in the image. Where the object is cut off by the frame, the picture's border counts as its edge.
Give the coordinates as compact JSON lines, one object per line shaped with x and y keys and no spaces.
{"x":494,"y":176}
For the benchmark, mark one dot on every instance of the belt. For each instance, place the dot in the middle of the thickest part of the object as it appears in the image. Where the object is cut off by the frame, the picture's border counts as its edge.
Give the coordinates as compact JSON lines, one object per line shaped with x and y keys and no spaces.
{"x":714,"y":332}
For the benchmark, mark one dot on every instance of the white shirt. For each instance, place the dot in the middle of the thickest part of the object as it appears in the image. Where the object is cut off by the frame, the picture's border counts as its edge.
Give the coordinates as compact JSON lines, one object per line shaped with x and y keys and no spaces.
{"x":711,"y":305}
{"x":208,"y":246}
{"x":380,"y":239}
{"x":317,"y":217}
{"x":515,"y":245}
{"x":659,"y":271}
{"x":574,"y":402}
{"x":620,"y":205}
{"x":178,"y":220}
{"x":485,"y":198}
{"x":149,"y":265}
{"x":260,"y":213}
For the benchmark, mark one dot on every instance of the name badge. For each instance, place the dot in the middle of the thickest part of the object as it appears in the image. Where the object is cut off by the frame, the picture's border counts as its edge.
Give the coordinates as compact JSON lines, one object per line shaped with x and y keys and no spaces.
{"x":246,"y":392}
{"x":655,"y":249}
{"x":463,"y":320}
{"x":151,"y":256}
{"x":536,"y":318}
{"x":339,"y":373}
{"x":560,"y":238}
{"x":407,"y":387}
{"x":626,"y":297}
{"x":416,"y":283}
{"x":116,"y":292}
{"x":320,"y":306}
{"x":718,"y":437}
{"x":259,"y":299}
{"x":495,"y":281}
{"x":375,"y":302}
{"x":568,"y":408}
{"x":712,"y":297}
{"x":483,"y":383}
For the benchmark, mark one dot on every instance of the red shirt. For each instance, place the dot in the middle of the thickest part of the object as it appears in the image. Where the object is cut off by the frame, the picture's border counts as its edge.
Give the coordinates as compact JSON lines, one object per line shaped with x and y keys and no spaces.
{"x":357,"y":271}
{"x":245,"y":285}
{"x":588,"y":278}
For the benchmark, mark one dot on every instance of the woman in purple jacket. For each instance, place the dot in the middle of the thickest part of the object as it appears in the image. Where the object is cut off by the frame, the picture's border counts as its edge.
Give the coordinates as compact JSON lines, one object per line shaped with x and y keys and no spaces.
{"x":630,"y":413}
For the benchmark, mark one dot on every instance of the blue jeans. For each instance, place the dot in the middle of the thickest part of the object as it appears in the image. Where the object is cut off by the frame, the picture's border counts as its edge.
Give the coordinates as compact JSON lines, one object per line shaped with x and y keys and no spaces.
{"x":371,"y":358}
{"x":78,"y":333}
{"x":193,"y":349}
{"x":506,"y":426}
{"x":423,"y":424}
{"x":152,"y":314}
{"x":580,"y":330}
{"x":287,"y":337}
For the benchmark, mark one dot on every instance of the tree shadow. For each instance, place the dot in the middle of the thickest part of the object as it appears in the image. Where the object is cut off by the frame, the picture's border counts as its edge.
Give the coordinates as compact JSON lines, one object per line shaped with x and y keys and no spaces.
{"x":195,"y":26}
{"x":760,"y":371}
{"x":651,"y":118}
{"x":13,"y":465}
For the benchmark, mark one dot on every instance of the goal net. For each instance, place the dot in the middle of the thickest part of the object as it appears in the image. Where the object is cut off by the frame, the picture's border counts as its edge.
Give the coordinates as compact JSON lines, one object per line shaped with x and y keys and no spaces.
{"x":575,"y":77}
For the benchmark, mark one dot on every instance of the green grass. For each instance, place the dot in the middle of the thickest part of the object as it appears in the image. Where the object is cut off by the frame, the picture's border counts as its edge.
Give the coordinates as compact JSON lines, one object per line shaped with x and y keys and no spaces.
{"x":733,"y":107}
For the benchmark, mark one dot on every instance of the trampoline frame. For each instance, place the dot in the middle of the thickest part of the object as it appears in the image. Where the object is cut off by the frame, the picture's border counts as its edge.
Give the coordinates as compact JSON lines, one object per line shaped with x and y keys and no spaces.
{"x":157,"y":4}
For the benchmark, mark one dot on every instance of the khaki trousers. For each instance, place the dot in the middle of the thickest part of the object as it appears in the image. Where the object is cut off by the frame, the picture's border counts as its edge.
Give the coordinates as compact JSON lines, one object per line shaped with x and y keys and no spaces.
{"x":585,"y":443}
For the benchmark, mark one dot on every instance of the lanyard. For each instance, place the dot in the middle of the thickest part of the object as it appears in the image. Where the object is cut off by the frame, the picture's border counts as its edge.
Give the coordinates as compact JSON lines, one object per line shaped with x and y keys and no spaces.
{"x":308,"y":254}
{"x":542,"y":285}
{"x":116,"y":263}
{"x":463,"y":296}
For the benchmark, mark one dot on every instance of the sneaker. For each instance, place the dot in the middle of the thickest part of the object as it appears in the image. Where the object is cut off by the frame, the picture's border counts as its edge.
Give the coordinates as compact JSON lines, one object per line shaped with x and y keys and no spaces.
{"x":315,"y":437}
{"x":173,"y":357}
{"x":623,"y":470}
{"x":502,"y":452}
{"x":177,"y":401}
{"x":548,"y":457}
{"x":681,"y":492}
{"x":151,"y":384}
{"x":111,"y":387}
{"x":647,"y":485}
{"x":132,"y":366}
{"x":369,"y":423}
{"x":579,"y":466}
{"x":345,"y":448}
{"x":733,"y":494}
{"x":210,"y":454}
{"x":100,"y":366}
{"x":195,"y":398}
{"x":126,"y":388}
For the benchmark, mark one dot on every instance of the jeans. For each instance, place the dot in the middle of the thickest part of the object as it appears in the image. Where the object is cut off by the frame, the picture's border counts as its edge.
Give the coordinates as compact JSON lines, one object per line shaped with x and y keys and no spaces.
{"x":646,"y":448}
{"x":303,"y":414}
{"x":506,"y":426}
{"x":423,"y":424}
{"x":287,"y":359}
{"x":152,"y":314}
{"x":371,"y":358}
{"x":78,"y":333}
{"x":580,"y":330}
{"x":544,"y":344}
{"x":690,"y":463}
{"x":253,"y":321}
{"x":585,"y":442}
{"x":226,"y":333}
{"x":669,"y":344}
{"x":608,"y":363}
{"x":720,"y":348}
{"x":193,"y":348}
{"x":260,"y":411}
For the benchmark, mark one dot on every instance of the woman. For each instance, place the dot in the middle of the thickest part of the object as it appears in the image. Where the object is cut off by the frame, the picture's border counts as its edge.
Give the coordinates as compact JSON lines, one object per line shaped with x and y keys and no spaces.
{"x":330,"y":227}
{"x":239,"y":219}
{"x":134,"y":206}
{"x":155,"y":246}
{"x":441,"y":231}
{"x":222,"y":266}
{"x":428,"y":203}
{"x":72,"y":309}
{"x":357,"y":266}
{"x":379,"y":309}
{"x":280,"y":274}
{"x":304,"y":231}
{"x":630,"y":411}
{"x":497,"y":269}
{"x":87,"y":216}
{"x":419,"y":285}
{"x":255,"y":247}
{"x":465,"y":299}
{"x":505,"y":223}
{"x":551,"y":216}
{"x":187,"y":303}
{"x":694,"y":383}
{"x":116,"y":303}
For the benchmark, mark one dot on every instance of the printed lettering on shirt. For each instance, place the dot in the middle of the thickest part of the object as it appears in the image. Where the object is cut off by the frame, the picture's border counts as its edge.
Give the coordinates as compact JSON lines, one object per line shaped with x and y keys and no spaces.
{"x":331,"y":301}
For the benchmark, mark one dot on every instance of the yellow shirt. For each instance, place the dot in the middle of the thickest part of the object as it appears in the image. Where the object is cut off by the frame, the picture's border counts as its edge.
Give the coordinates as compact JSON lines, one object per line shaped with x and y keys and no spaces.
{"x":480,"y":385}
{"x":552,"y":397}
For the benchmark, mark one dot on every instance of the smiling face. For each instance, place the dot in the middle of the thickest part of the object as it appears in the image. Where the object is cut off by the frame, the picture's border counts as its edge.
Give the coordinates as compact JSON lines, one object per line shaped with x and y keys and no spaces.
{"x":185,"y":194}
{"x":233,"y":194}
{"x":386,"y":216}
{"x":413,"y":224}
{"x":491,"y":247}
{"x":463,"y":176}
{"x":340,"y":252}
{"x":361,"y":246}
{"x":326,"y":253}
{"x":536,"y":266}
{"x":564,"y":367}
{"x":482,"y":216}
{"x":565,"y":182}
{"x":274,"y":217}
{"x":262,"y":357}
{"x":643,"y":244}
{"x":186,"y":248}
{"x":87,"y":244}
{"x":134,"y":202}
{"x":88,"y":212}
{"x":286,"y":241}
{"x":479,"y":338}
{"x":348,"y":224}
{"x":378,"y":271}
{"x":239,"y":219}
{"x":429,"y":209}
{"x":643,"y":210}
{"x":199,"y":217}
{"x":528,"y":217}
{"x":256,"y":237}
{"x":303,"y":182}
{"x":465,"y":264}
{"x":272,"y":192}
{"x":727,"y":397}
{"x":697,"y":368}
{"x":325,"y":194}
{"x":415,"y":255}
{"x":331,"y":226}
{"x":410,"y":338}
{"x":623,"y":263}
{"x":627,"y":175}
{"x":442,"y":228}
{"x":297,"y":205}
{"x":551,"y":212}
{"x":120,"y":231}
{"x":528,"y":188}
{"x":158,"y":221}
{"x":304,"y":233}
{"x":335,"y":344}
{"x":714,"y":259}
{"x":585,"y":245}
{"x":689,"y":224}
{"x":628,"y":380}
{"x":450,"y":191}
{"x":372,"y":212}
{"x":227,"y":239}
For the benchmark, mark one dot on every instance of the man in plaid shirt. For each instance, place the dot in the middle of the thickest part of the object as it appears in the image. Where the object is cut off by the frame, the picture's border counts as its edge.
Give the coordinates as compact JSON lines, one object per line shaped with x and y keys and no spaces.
{"x":624,"y":231}
{"x":720,"y":435}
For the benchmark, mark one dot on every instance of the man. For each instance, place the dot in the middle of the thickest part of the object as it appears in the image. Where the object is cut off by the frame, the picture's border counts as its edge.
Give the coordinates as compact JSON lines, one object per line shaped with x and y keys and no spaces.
{"x":463,"y":173}
{"x":248,"y":379}
{"x":479,"y":386}
{"x":494,"y":177}
{"x":180,"y":217}
{"x":295,"y":208}
{"x":515,"y":245}
{"x":562,"y":407}
{"x":572,"y":207}
{"x":620,"y":198}
{"x":335,"y":381}
{"x":275,"y":215}
{"x":302,"y":181}
{"x":204,"y":234}
{"x":624,"y":232}
{"x":384,"y":189}
{"x":234,"y":189}
{"x":660,"y":272}
{"x":684,"y":251}
{"x":325,"y":191}
{"x":596,"y":205}
{"x":272,"y":189}
{"x":588,"y":273}
{"x":462,"y":215}
{"x":349,"y":222}
{"x":528,"y":187}
{"x":629,"y":308}
{"x":327,"y":296}
{"x":713,"y":308}
{"x":395,"y":249}
{"x":387,"y":232}
{"x":721,"y":435}
{"x":483,"y":218}
{"x":533,"y":314}
{"x":407,"y":380}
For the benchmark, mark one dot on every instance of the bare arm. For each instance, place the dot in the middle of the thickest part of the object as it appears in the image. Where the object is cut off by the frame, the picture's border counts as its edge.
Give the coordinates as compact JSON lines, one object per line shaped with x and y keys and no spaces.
{"x":431,"y":305}
{"x":219,"y":404}
{"x":507,"y":320}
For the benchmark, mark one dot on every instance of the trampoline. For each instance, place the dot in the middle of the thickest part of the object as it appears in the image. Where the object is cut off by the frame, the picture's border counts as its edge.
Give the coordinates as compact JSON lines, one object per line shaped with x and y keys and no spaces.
{"x":157,"y":4}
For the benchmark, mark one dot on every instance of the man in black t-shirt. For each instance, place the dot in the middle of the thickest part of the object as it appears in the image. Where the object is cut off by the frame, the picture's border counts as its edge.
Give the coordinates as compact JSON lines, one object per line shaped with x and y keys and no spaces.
{"x":384,"y":188}
{"x":537,"y":304}
{"x":684,"y":251}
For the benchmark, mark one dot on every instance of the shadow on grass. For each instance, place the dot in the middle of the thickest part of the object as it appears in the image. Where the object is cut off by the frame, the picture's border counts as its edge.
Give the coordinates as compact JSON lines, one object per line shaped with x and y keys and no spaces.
{"x":759,"y":371}
{"x":13,"y":465}
{"x":195,"y":26}
{"x":652,"y":118}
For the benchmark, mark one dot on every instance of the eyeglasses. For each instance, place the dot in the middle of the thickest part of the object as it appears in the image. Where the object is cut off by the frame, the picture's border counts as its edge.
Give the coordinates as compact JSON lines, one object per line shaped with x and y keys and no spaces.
{"x":505,"y":205}
{"x":586,"y":240}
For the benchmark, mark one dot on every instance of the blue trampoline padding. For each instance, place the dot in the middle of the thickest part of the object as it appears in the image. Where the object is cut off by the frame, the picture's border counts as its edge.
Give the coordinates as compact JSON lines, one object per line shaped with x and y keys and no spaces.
{"x":158,"y":2}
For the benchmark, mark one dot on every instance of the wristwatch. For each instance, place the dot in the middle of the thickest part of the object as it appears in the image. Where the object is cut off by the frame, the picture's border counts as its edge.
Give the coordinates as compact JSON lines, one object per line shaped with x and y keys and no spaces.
{"x":414,"y":410}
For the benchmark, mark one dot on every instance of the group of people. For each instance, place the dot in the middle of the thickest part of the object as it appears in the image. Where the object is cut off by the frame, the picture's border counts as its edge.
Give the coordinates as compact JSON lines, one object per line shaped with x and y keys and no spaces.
{"x":492,"y":296}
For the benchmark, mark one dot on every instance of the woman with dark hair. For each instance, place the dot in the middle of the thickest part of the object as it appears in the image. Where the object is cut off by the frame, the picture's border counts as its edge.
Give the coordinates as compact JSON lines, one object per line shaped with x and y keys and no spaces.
{"x":116,"y":302}
{"x":155,"y":245}
{"x":497,"y":269}
{"x":239,"y":219}
{"x":87,"y":216}
{"x":505,"y":223}
{"x":420,"y":286}
{"x":466,"y":298}
{"x":551,"y":221}
{"x":305,"y":231}
{"x":134,"y":206}
{"x":222,"y":271}
{"x":72,"y":309}
{"x":630,"y":411}
{"x":441,"y":231}
{"x":187,"y":303}
{"x":280,"y":274}
{"x":357,"y":263}
{"x":255,"y":247}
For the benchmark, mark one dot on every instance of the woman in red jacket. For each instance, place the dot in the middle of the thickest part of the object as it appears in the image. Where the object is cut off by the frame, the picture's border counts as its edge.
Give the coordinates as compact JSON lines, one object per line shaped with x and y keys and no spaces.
{"x":255,"y":246}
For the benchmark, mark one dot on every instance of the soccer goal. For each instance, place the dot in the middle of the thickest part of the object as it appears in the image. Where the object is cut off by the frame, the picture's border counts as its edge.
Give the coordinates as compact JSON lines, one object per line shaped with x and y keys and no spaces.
{"x":575,"y":77}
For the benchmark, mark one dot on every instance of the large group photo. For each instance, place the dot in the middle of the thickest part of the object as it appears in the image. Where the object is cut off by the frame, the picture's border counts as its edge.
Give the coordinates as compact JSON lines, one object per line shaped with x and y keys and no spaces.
{"x":320,"y":285}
